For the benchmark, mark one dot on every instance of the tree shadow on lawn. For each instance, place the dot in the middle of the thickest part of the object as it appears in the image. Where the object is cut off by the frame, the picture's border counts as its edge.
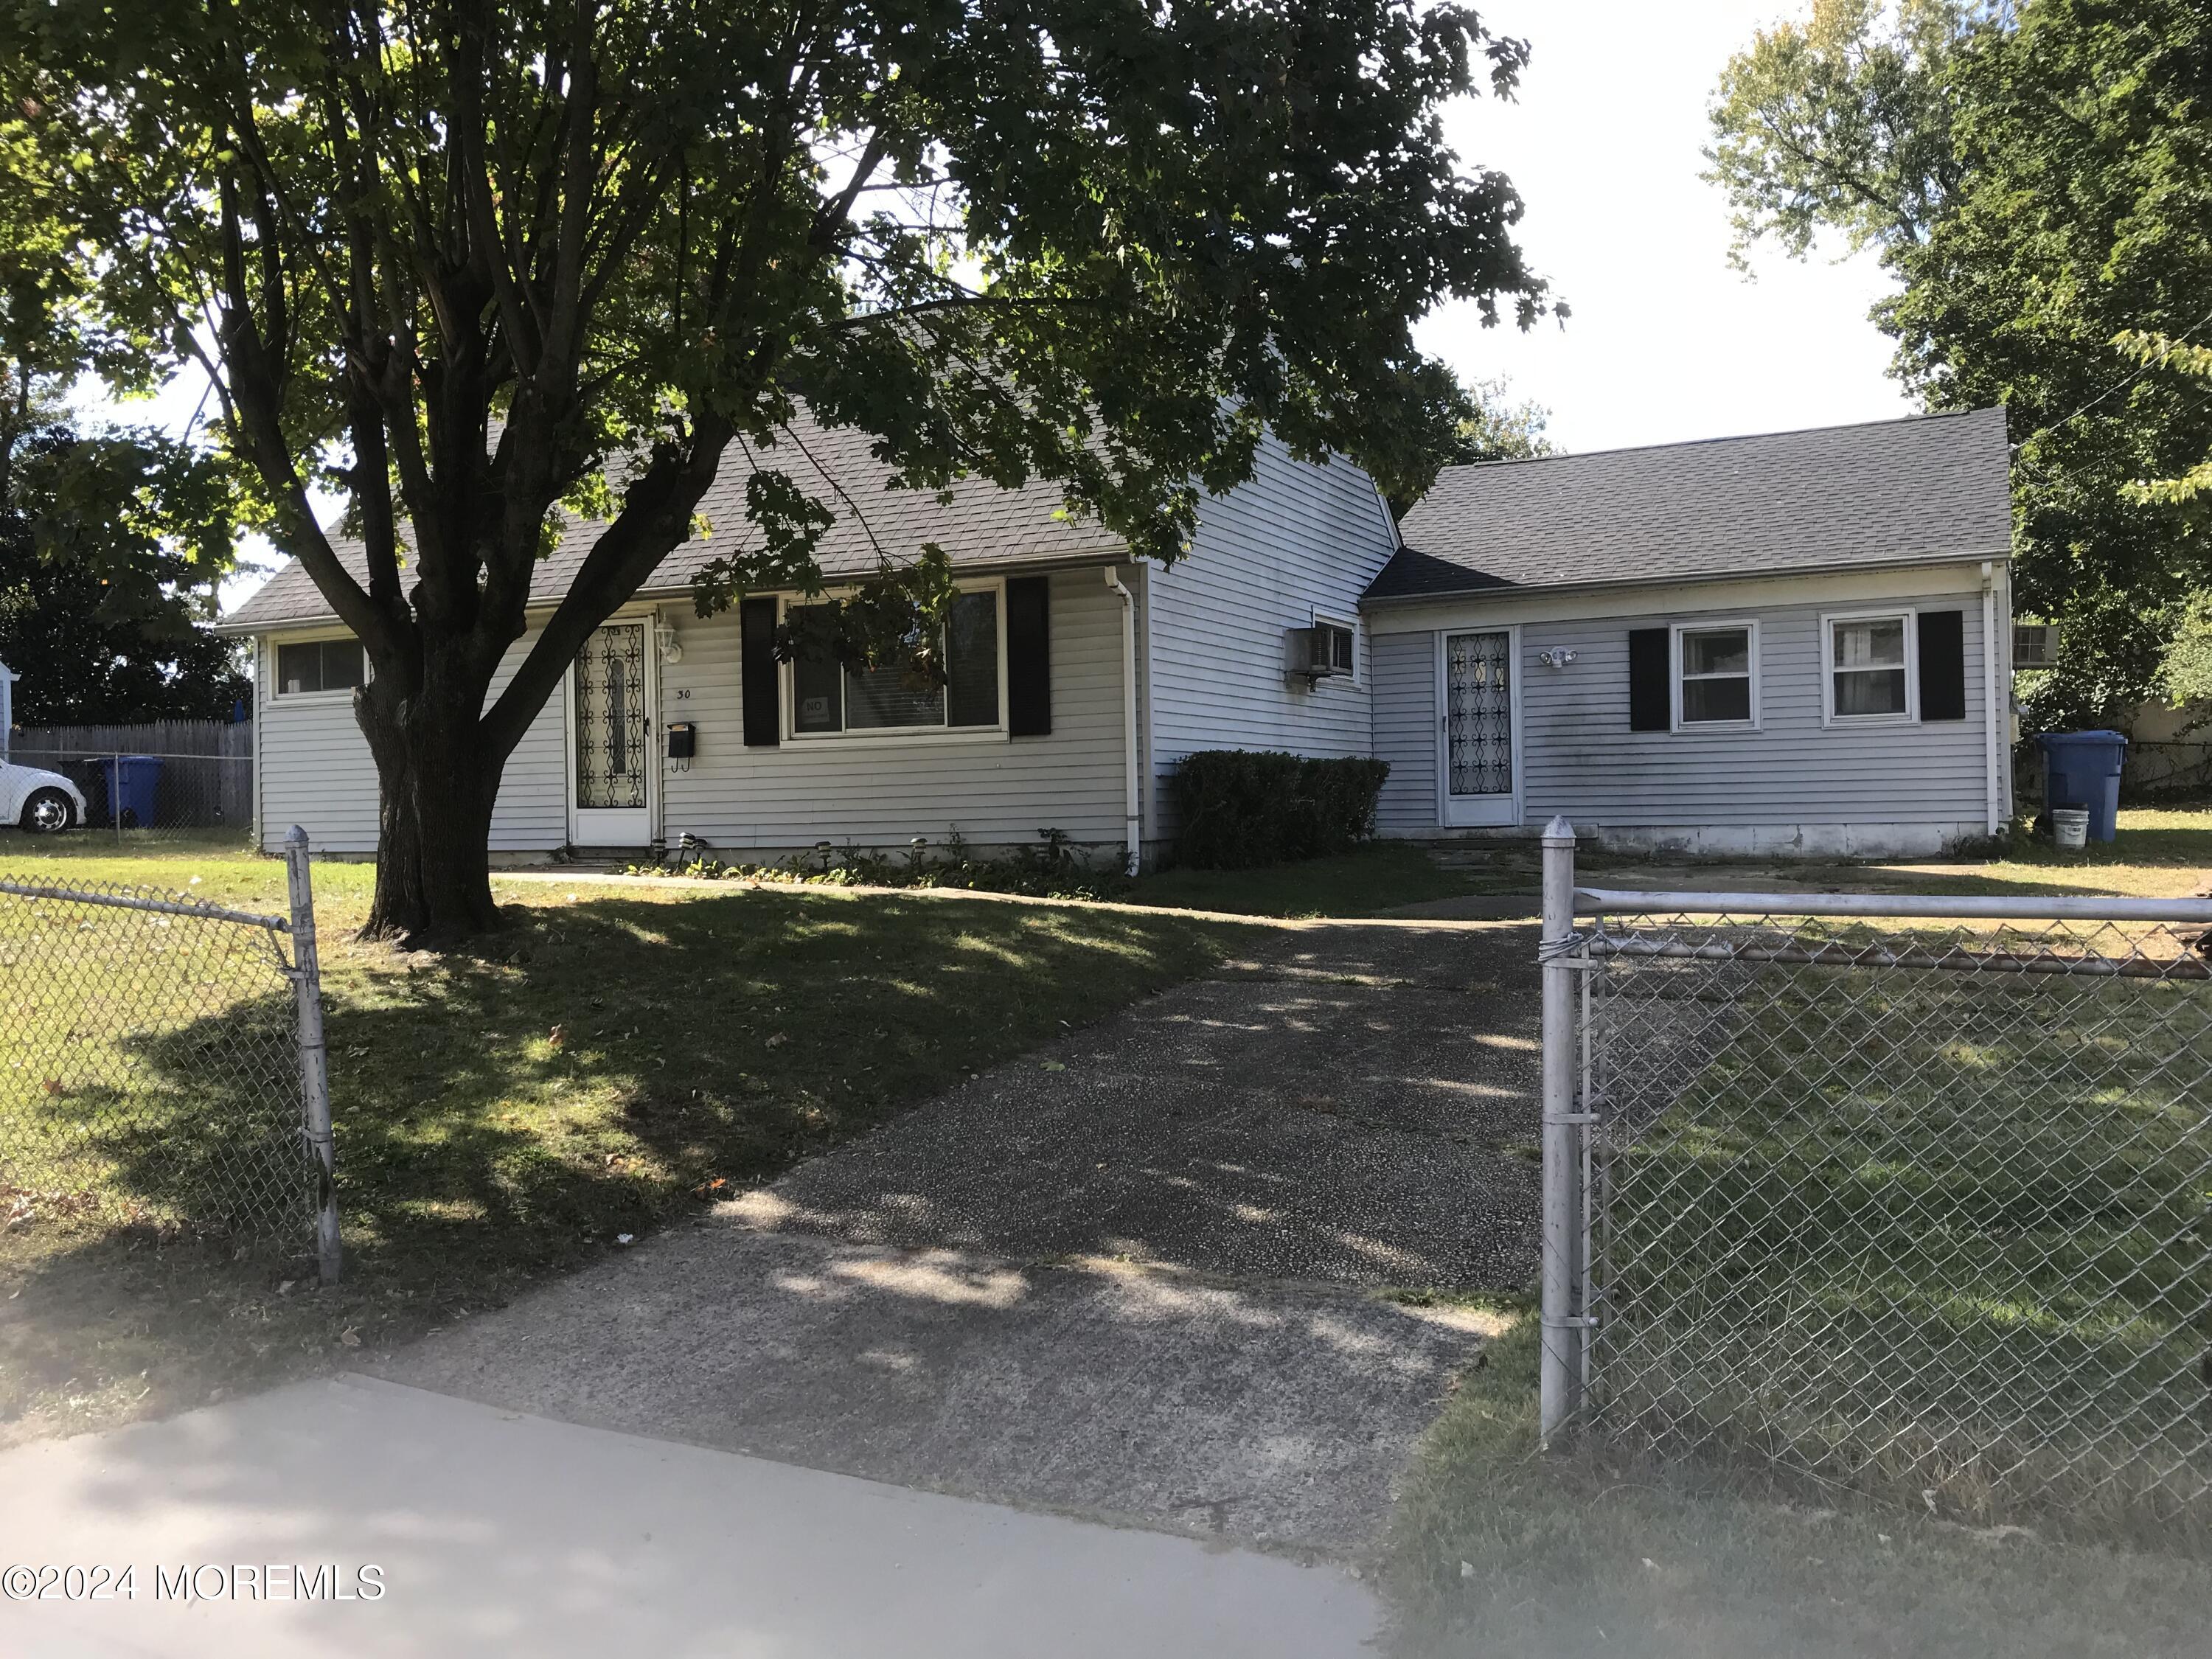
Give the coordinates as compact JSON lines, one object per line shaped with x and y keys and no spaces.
{"x":599,"y":1067}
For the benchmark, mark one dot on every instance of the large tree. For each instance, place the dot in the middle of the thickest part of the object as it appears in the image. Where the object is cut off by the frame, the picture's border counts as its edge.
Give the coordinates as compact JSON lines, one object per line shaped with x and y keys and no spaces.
{"x":104,"y":605}
{"x":495,"y":269}
{"x":2038,"y":179}
{"x":112,"y":539}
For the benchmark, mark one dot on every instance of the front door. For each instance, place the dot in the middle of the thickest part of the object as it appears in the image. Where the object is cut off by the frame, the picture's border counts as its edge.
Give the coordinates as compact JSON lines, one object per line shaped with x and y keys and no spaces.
{"x":610,"y":769}
{"x":1480,"y":732}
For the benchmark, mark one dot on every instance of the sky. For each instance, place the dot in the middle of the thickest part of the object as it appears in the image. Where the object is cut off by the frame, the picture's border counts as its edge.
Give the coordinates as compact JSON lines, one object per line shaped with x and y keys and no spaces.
{"x":1666,"y":341}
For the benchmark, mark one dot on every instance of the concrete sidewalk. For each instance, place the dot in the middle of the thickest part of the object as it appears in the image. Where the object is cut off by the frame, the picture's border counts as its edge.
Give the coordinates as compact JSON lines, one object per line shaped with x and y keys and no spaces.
{"x":496,"y":1533}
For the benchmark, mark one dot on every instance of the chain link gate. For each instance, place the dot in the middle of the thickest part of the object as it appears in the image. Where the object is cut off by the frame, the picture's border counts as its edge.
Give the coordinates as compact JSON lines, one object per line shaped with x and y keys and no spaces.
{"x":1906,"y":1196}
{"x":162,"y":1062}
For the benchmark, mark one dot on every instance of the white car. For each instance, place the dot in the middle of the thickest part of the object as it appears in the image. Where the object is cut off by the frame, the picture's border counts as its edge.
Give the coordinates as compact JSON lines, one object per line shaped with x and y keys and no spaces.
{"x":45,"y":802}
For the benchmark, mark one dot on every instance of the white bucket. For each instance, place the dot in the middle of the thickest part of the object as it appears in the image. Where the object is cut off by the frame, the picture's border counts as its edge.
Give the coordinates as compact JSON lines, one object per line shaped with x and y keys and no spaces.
{"x":2069,"y":827}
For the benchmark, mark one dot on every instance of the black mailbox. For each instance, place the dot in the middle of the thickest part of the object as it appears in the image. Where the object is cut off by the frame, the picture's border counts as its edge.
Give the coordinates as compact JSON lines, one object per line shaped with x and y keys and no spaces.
{"x":682,"y":739}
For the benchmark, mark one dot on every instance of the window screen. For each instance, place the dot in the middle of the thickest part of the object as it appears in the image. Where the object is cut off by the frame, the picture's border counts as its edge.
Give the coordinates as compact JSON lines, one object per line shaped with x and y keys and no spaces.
{"x":971,"y":692}
{"x":320,"y":666}
{"x":829,"y":697}
{"x":1868,"y":665}
{"x":818,"y":692}
{"x":1339,"y":647}
{"x":877,"y":698}
{"x":1716,"y":675}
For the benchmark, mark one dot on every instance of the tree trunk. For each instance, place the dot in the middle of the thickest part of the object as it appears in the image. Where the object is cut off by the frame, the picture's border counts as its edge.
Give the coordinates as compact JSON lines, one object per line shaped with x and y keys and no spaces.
{"x":436,"y":782}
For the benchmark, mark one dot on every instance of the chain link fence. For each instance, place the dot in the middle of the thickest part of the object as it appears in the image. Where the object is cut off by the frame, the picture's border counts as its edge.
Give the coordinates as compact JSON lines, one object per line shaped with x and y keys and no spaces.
{"x":1917,"y":1205}
{"x":161,"y":1064}
{"x":193,"y":776}
{"x":125,"y":791}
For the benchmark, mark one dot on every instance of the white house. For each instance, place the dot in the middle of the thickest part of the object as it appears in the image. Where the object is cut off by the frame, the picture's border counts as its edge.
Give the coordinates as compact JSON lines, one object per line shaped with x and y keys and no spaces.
{"x":1795,"y":642}
{"x":1078,"y":677}
{"x":1778,"y":642}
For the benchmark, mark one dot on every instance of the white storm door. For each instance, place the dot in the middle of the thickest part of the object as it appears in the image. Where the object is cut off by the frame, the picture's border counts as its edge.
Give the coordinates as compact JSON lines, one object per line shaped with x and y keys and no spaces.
{"x":611,"y":774}
{"x":1481,"y":730}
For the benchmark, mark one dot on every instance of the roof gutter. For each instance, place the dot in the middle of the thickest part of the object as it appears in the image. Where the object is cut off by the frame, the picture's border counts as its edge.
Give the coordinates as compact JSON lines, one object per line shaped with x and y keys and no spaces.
{"x":1543,"y":590}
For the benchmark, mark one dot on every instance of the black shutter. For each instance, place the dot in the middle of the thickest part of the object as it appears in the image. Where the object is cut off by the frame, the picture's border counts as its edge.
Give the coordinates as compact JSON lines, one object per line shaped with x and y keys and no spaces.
{"x":757,"y":672}
{"x":1029,"y":656}
{"x":1650,"y":702}
{"x":1942,"y":665}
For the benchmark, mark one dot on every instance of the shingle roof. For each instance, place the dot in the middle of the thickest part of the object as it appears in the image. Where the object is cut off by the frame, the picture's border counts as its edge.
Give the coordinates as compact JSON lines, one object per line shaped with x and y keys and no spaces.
{"x":1931,"y":486}
{"x":984,"y":525}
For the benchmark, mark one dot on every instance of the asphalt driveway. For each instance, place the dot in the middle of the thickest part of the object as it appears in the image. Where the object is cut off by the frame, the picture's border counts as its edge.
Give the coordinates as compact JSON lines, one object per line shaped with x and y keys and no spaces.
{"x":1164,"y":1272}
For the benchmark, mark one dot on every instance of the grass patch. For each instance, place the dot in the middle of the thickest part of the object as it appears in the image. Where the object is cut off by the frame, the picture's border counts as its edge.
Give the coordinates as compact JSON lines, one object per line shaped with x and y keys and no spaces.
{"x":1381,"y":876}
{"x":612,"y":1061}
{"x":1497,"y":1548}
{"x":2161,"y":852}
{"x":1935,"y":1235}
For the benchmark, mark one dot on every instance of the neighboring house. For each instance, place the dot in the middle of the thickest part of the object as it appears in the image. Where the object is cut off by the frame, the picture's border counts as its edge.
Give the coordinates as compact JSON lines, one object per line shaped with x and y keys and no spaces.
{"x":1772,"y":642}
{"x":1077,"y":678}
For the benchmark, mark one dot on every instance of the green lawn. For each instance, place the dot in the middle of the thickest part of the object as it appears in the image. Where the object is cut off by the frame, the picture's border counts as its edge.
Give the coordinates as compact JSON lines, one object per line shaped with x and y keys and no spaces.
{"x":1499,"y":1548}
{"x":1380,"y":876}
{"x":613,"y":1060}
{"x":1927,"y":1233}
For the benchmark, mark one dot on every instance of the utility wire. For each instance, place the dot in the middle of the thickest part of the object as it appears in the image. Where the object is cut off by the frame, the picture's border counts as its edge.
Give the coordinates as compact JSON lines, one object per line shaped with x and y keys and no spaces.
{"x":2118,"y":386}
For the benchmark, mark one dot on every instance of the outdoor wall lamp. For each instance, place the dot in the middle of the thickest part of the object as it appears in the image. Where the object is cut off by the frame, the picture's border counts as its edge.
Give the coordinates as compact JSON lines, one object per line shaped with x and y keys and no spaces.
{"x":671,"y":648}
{"x":1558,"y":657}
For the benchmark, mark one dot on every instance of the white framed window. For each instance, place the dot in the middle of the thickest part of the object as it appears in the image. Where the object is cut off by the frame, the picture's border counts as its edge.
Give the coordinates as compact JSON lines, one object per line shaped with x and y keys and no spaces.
{"x":1340,"y":636}
{"x":1869,"y":668}
{"x":330,"y":667}
{"x":826,"y":700}
{"x":1716,"y":675}
{"x":2034,"y":645}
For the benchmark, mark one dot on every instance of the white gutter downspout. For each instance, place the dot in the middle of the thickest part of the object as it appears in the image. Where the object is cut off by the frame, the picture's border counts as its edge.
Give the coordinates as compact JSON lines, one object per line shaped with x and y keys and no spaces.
{"x":1133,"y":817}
{"x":1991,"y":738}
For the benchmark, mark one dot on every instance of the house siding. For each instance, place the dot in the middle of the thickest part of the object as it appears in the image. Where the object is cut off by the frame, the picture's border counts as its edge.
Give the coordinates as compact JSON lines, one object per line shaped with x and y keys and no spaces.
{"x":992,"y":790}
{"x":1295,"y":542}
{"x":1794,"y":784}
{"x":316,"y":770}
{"x":1405,"y":716}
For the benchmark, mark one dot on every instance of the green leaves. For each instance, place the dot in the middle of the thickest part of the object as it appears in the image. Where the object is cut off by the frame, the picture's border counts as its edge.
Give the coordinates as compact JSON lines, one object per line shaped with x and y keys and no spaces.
{"x":1842,"y":123}
{"x":110,"y":548}
{"x":2038,"y":179}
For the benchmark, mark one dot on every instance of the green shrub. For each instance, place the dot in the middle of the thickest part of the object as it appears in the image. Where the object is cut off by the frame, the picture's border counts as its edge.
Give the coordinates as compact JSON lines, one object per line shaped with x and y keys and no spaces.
{"x":1242,"y":807}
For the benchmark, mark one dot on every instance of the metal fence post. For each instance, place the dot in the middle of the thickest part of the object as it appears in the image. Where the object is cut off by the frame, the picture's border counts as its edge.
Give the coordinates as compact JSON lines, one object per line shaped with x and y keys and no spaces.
{"x":314,"y":1057}
{"x":1563,"y":1333}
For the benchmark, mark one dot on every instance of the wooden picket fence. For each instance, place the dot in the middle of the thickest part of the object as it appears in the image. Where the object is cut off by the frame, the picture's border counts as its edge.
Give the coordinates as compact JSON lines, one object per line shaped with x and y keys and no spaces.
{"x":207,"y":774}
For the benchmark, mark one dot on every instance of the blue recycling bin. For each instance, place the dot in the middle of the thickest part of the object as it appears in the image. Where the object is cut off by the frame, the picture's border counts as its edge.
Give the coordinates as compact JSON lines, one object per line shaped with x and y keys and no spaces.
{"x":132,"y":782}
{"x":2082,"y":769}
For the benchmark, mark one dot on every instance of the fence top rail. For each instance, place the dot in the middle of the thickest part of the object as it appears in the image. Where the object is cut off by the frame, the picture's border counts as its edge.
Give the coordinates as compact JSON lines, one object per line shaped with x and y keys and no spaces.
{"x":133,"y":902}
{"x":1960,"y":906}
{"x":78,"y":751}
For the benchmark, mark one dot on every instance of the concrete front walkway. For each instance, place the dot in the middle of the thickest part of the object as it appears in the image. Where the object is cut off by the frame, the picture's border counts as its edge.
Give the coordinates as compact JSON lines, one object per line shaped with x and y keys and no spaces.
{"x":1133,"y":1276}
{"x":495,"y":1533}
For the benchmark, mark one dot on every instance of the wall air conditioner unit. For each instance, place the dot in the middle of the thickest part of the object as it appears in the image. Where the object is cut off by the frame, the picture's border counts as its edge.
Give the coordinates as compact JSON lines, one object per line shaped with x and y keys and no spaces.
{"x":2034,"y":645}
{"x":1317,"y":652}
